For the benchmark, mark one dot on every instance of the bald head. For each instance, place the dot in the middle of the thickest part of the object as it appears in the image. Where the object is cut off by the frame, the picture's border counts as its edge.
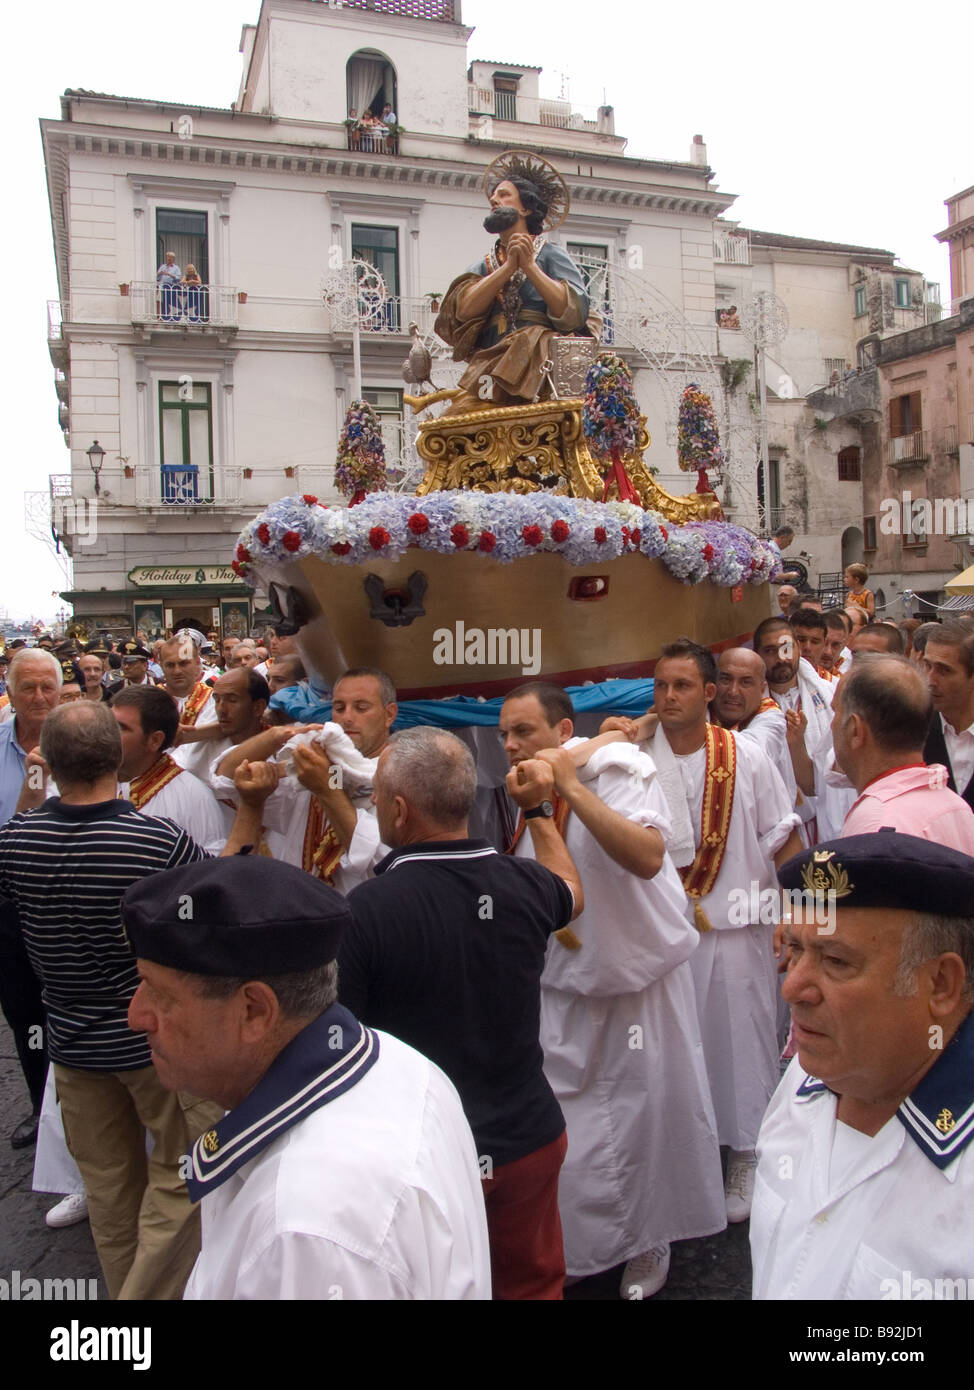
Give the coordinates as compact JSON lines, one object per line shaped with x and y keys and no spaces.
{"x":881,"y":715}
{"x":786,"y":593}
{"x":740,"y":685}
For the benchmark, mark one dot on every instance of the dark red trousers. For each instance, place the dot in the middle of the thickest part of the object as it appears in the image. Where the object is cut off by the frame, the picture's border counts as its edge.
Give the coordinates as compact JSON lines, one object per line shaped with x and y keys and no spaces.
{"x":527,"y":1258}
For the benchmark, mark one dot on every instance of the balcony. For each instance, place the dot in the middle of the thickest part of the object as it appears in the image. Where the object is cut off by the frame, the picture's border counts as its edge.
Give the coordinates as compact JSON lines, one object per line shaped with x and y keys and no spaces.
{"x":183,"y":306}
{"x":542,"y":111}
{"x":970,"y":427}
{"x":56,"y":345}
{"x":732,"y":248}
{"x":371,"y":140}
{"x":390,"y":319}
{"x":172,"y":488}
{"x":908,"y":450}
{"x":443,"y":11}
{"x":951,"y":443}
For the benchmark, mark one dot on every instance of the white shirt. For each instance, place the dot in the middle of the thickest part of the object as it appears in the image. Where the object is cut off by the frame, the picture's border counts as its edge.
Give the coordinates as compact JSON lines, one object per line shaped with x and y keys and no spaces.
{"x":196,"y":757}
{"x":761,"y":821}
{"x":841,"y":1218}
{"x":376,"y":1195}
{"x":960,"y":751}
{"x":192,"y":806}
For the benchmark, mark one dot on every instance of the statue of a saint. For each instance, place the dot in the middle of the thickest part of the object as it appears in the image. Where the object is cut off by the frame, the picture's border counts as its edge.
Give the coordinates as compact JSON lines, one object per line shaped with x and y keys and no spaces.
{"x":499,"y":316}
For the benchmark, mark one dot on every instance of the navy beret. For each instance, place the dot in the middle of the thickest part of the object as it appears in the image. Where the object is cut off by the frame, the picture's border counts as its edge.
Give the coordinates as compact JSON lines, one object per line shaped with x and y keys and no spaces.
{"x":886,"y":869}
{"x":245,"y":915}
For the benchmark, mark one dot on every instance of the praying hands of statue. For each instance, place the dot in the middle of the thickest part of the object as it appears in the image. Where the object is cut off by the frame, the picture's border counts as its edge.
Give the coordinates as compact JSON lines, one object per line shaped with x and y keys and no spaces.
{"x":520,"y":250}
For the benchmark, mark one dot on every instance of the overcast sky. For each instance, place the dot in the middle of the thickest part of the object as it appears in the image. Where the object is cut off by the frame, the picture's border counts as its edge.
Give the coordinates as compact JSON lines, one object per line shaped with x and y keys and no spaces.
{"x":849,"y":123}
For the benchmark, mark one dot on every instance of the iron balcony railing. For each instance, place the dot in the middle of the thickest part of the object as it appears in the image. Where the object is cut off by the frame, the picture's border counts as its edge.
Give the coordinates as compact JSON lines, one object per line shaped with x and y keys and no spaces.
{"x":731,"y":248}
{"x":908,"y":448}
{"x":184,"y":305}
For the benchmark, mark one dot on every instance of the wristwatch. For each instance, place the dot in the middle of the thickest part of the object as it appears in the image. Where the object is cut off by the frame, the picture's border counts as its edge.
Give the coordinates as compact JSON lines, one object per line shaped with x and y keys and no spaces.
{"x":545,"y":809}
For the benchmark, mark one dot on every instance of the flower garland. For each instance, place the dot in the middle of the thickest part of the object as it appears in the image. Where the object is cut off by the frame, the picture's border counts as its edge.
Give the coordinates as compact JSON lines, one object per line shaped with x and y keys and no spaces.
{"x":610,"y":421}
{"x":361,"y":463}
{"x":503,"y":526}
{"x":698,"y":444}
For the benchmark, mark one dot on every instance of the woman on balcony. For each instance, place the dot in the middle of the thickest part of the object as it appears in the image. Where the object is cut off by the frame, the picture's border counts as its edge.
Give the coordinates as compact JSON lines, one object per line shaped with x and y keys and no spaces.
{"x":194,"y":291}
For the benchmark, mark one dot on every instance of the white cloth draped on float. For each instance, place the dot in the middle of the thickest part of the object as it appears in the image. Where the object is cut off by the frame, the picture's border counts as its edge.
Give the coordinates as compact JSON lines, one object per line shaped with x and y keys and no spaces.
{"x":734,"y":970}
{"x":622,"y":1045}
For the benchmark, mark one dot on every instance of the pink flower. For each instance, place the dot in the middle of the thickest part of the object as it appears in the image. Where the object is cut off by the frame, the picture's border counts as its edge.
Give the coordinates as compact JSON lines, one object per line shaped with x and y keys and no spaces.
{"x":291,"y":540}
{"x":378,"y":537}
{"x":532,"y":535}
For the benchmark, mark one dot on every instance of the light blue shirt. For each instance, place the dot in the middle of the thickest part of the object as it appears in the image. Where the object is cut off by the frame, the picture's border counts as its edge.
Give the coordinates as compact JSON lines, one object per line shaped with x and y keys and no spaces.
{"x":13,"y":768}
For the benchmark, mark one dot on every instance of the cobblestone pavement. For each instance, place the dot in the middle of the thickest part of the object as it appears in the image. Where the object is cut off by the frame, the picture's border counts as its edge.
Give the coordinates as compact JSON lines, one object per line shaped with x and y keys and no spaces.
{"x":718,"y":1267}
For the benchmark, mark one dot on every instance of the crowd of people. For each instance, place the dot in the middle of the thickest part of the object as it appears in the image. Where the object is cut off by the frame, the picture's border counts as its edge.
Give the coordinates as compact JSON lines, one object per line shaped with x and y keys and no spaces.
{"x":694,"y":982}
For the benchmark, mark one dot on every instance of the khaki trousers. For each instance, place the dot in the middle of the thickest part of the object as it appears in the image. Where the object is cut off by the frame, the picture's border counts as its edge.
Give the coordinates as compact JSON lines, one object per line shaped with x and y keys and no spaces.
{"x":145,"y":1229}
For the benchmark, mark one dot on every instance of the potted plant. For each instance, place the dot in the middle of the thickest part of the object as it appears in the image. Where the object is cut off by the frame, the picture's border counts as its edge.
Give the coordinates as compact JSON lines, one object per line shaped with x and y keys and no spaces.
{"x":248,"y":472}
{"x":242,"y":297}
{"x":129,"y":471}
{"x":434,"y":297}
{"x":123,"y":290}
{"x":289,"y":472}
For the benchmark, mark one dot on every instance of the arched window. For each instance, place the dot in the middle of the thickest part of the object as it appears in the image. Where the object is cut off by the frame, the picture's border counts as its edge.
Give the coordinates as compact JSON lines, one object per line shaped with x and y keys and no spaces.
{"x":373,"y":117}
{"x":852,"y":546}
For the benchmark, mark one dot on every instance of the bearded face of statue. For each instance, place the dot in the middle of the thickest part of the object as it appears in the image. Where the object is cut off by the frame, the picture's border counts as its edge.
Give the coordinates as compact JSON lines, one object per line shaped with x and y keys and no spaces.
{"x":506,"y":208}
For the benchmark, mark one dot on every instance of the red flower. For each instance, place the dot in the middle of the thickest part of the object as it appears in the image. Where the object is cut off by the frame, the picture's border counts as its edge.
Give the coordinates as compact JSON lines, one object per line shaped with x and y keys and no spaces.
{"x":378,"y":537}
{"x":310,"y":499}
{"x":243,"y":553}
{"x":237,"y":567}
{"x":664,"y":533}
{"x":459,"y":535}
{"x":291,"y":540}
{"x":532,"y":535}
{"x":560,"y":531}
{"x":264,"y":533}
{"x":487,"y":541}
{"x":341,"y":548}
{"x":418,"y":523}
{"x":600,"y":535}
{"x":635,"y":537}
{"x":708,"y":552}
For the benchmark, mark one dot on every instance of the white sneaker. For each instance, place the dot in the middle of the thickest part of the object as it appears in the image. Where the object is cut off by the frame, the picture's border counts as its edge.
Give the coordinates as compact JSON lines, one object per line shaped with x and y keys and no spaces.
{"x":73,"y":1209}
{"x":739,"y":1187}
{"x":645,"y":1274}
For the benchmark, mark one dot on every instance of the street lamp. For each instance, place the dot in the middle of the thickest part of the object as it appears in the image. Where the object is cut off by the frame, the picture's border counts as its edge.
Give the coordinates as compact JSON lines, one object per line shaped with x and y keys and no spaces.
{"x":96,"y":457}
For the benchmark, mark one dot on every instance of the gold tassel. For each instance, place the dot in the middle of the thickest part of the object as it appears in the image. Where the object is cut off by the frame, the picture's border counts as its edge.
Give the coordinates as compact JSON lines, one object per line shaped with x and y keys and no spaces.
{"x":567,"y":938}
{"x":700,"y":919}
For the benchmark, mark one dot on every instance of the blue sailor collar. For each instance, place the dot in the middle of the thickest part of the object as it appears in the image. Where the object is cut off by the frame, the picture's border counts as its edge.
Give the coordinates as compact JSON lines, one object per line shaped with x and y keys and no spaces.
{"x":939,"y":1114}
{"x":325,"y":1060}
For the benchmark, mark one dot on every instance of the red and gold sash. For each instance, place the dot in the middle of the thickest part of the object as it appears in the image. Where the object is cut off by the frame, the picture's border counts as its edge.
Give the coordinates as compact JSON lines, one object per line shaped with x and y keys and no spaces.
{"x":715,"y":818}
{"x":826,"y":675}
{"x":160,"y":774}
{"x":322,"y":851}
{"x":564,"y":936}
{"x":195,"y":702}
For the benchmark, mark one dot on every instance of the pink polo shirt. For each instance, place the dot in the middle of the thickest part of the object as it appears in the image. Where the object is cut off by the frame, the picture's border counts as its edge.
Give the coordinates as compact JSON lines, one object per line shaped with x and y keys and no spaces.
{"x":914,"y":800}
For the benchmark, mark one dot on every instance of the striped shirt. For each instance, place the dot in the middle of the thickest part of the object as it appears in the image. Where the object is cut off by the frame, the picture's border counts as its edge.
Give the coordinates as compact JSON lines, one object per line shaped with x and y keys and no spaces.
{"x":65,"y":868}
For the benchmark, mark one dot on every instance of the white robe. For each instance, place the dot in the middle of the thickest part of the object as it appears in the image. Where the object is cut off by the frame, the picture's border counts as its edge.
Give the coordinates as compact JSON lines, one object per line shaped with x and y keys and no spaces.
{"x":190,"y":803}
{"x":196,"y":757}
{"x":286,"y":822}
{"x":622,"y":1046}
{"x":734,"y":968}
{"x":376,"y":1195}
{"x":864,"y":1220}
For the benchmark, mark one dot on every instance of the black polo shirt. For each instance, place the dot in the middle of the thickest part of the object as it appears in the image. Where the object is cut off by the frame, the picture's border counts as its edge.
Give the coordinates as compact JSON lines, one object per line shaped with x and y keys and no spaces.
{"x":446,"y":953}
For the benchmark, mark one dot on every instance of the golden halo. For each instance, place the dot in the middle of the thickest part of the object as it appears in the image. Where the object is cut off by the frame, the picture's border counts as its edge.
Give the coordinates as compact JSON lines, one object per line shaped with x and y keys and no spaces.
{"x":552,"y":188}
